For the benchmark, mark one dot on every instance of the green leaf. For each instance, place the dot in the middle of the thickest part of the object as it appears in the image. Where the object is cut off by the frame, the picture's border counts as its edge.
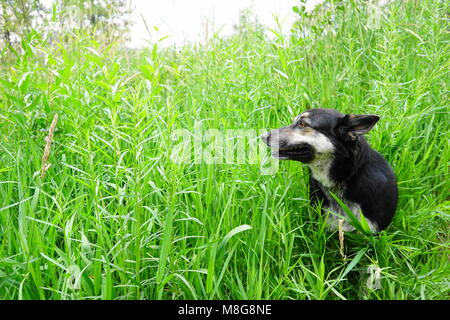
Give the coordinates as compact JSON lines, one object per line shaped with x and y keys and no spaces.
{"x":233,"y":232}
{"x":354,"y":262}
{"x":351,"y":218}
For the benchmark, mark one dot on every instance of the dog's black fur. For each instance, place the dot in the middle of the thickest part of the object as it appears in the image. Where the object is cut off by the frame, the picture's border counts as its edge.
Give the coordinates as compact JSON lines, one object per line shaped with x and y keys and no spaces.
{"x":341,"y":161}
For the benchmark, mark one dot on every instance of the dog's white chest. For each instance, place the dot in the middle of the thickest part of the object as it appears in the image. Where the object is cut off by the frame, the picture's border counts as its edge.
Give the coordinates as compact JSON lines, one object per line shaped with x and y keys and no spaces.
{"x":320,"y":169}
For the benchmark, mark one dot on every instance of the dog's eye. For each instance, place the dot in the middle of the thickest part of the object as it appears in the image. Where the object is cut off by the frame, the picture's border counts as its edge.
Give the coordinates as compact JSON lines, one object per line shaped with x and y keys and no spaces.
{"x":302,"y":124}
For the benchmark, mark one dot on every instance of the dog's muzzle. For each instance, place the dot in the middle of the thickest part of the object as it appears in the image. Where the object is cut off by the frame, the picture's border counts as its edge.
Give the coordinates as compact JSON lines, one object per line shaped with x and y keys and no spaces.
{"x":281,"y":150}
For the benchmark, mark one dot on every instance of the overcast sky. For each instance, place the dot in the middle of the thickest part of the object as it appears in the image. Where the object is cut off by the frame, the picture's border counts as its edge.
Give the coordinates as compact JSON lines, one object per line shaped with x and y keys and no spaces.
{"x":185,"y":20}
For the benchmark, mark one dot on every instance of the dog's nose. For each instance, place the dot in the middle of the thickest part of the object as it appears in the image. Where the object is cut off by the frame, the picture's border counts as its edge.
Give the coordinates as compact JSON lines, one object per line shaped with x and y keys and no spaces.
{"x":266,"y":137}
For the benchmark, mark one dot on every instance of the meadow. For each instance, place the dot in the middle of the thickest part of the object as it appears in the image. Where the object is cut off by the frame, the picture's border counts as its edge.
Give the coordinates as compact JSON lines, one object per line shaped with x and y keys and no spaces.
{"x":114,"y":217}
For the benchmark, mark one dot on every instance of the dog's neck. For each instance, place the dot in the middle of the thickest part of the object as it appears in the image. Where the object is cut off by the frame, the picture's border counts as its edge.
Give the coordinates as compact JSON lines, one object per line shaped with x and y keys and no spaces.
{"x":333,"y":170}
{"x":320,"y":170}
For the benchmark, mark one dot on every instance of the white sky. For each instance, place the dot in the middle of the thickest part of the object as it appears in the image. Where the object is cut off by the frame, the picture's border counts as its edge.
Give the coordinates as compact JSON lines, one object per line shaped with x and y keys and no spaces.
{"x":185,"y":20}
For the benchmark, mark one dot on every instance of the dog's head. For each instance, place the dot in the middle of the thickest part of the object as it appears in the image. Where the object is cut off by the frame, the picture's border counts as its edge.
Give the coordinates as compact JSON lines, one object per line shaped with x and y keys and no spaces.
{"x":318,"y":132}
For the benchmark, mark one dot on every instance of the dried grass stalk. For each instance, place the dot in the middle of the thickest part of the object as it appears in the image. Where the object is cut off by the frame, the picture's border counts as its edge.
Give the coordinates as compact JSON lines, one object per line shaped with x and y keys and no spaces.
{"x":48,"y":143}
{"x":341,"y":239}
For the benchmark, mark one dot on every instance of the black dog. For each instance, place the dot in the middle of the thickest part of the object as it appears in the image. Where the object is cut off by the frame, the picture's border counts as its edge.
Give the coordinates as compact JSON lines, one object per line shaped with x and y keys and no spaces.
{"x":341,"y":161}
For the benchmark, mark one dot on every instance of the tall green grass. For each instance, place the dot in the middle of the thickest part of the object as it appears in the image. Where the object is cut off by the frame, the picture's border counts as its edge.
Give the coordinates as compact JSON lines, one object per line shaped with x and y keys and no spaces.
{"x":116,"y":218}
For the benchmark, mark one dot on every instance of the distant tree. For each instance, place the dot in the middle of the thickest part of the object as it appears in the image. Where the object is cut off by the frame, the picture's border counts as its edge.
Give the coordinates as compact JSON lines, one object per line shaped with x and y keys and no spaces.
{"x":107,"y":20}
{"x":248,"y":24}
{"x":18,"y":17}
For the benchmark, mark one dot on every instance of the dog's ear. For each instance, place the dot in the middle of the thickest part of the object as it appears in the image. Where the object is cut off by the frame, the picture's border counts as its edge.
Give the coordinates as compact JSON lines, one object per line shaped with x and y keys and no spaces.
{"x":352,"y":126}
